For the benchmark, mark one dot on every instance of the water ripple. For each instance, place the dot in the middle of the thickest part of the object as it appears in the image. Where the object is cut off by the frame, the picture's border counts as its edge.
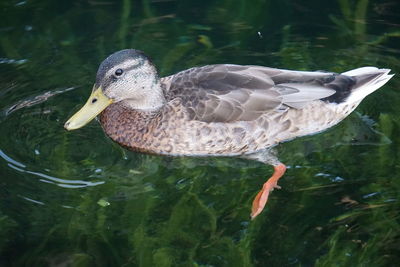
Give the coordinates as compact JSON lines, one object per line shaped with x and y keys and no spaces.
{"x":12,"y":61}
{"x":10,"y":160}
{"x":47,"y":178}
{"x":28,"y":102}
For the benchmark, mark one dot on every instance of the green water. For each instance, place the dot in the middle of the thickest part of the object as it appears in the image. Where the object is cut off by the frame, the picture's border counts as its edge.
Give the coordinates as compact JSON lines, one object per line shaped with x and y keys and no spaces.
{"x":78,"y":199}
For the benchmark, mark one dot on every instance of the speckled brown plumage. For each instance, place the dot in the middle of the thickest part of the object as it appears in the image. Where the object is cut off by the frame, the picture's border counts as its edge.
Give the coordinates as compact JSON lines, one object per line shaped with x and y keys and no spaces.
{"x":171,"y":131}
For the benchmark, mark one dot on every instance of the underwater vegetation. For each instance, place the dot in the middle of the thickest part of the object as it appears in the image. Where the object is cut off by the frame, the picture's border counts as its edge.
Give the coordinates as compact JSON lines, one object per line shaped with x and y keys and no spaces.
{"x":78,"y":199}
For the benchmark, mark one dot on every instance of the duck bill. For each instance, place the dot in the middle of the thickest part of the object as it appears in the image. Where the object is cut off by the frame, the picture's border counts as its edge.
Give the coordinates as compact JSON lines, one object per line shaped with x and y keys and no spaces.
{"x":96,"y":103}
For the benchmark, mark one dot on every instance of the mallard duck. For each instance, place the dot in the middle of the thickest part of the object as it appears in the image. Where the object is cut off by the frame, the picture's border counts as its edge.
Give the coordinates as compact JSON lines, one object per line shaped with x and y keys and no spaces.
{"x":220,"y":110}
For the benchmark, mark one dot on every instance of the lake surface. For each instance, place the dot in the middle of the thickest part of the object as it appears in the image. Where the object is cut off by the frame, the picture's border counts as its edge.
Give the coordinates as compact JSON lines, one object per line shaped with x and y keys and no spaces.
{"x":78,"y":199}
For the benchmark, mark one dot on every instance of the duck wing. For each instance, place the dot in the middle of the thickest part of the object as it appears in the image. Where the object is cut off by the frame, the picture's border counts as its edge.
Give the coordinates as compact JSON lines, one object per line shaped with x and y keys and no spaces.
{"x":228,"y":93}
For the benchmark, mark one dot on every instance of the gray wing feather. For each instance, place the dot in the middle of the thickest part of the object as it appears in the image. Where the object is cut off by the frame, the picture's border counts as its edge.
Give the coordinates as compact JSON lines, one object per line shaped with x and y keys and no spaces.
{"x":227,"y":93}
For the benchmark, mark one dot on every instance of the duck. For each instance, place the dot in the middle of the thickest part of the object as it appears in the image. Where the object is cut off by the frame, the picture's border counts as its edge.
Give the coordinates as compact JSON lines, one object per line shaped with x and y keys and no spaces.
{"x":220,"y":110}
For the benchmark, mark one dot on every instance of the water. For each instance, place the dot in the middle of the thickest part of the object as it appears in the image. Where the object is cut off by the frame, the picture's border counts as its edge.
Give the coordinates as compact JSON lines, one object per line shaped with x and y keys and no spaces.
{"x":78,"y":199}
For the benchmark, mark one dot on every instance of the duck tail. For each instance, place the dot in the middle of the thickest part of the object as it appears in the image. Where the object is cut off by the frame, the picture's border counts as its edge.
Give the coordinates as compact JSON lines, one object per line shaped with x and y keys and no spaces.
{"x":367,"y":80}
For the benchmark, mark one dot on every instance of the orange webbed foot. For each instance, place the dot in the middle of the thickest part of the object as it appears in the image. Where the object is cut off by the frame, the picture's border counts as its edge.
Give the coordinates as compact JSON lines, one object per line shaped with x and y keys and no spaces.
{"x":262,"y":197}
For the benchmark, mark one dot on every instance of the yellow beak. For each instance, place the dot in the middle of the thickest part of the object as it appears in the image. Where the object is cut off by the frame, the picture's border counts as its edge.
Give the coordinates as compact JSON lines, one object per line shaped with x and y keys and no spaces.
{"x":96,"y":103}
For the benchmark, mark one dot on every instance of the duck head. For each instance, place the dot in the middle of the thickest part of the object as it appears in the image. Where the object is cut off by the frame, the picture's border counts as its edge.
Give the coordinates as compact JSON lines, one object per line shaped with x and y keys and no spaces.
{"x":127,"y":77}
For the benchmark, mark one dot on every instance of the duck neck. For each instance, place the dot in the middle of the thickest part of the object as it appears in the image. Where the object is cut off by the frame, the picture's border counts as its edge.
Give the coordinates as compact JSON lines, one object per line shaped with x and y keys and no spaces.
{"x":152,"y":100}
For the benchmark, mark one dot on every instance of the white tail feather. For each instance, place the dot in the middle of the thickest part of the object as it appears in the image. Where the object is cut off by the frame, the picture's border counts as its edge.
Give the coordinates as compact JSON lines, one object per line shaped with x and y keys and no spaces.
{"x":359,"y":92}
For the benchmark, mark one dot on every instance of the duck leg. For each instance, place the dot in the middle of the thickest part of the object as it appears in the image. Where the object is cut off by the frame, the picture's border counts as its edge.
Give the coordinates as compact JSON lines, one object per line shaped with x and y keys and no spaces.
{"x":261,"y":198}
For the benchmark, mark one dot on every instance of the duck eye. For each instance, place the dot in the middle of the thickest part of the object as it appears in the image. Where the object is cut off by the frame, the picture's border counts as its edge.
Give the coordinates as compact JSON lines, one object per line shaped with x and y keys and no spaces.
{"x":119,"y":72}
